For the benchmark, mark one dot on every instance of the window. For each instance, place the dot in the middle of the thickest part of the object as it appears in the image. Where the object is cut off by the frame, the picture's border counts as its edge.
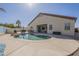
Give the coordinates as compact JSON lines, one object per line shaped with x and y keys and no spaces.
{"x":50,"y":27}
{"x":67,"y":26}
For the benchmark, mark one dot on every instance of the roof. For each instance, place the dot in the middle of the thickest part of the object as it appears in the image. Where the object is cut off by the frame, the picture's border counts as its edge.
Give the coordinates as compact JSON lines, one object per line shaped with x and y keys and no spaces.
{"x":61,"y":16}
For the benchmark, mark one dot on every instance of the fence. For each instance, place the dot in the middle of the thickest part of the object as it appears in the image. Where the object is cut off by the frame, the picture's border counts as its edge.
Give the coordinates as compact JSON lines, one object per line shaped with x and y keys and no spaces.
{"x":76,"y":35}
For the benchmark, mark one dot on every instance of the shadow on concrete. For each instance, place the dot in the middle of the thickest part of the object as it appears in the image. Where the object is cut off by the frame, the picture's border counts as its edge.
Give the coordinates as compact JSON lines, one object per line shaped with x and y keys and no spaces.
{"x":64,"y":37}
{"x":58,"y":36}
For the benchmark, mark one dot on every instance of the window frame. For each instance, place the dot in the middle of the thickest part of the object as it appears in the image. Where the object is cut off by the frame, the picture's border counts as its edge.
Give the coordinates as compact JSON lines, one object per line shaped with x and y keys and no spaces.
{"x":67,"y":26}
{"x":50,"y":27}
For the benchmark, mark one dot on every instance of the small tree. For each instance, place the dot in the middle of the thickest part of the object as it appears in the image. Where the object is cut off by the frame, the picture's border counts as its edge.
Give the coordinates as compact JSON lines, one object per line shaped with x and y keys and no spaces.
{"x":18,"y":23}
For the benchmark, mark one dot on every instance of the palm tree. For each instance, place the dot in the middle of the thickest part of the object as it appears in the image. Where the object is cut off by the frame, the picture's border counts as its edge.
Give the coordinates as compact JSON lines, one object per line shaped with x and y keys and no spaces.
{"x":18,"y":23}
{"x":2,"y":10}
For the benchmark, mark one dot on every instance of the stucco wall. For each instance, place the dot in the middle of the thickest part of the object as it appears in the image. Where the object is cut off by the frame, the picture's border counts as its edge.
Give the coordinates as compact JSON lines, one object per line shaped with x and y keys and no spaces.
{"x":57,"y":23}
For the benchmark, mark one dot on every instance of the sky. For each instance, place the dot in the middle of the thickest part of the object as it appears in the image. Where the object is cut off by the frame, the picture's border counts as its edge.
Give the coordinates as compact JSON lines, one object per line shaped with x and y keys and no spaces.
{"x":27,"y":11}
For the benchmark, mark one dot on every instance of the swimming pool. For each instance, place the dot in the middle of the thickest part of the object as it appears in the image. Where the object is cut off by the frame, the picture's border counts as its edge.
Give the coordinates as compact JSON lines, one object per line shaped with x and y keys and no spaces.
{"x":32,"y":37}
{"x":2,"y":49}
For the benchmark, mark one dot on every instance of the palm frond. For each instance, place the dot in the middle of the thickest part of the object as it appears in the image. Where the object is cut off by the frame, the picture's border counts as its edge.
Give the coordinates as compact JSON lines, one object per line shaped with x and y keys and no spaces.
{"x":2,"y":10}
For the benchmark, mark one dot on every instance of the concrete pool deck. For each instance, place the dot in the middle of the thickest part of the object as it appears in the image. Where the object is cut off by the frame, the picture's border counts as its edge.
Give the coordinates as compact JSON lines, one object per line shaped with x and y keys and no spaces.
{"x":51,"y":47}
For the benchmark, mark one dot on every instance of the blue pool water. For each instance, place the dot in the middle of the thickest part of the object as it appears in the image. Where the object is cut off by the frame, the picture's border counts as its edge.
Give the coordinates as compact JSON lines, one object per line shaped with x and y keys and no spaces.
{"x":23,"y":36}
{"x":2,"y":49}
{"x":33,"y":37}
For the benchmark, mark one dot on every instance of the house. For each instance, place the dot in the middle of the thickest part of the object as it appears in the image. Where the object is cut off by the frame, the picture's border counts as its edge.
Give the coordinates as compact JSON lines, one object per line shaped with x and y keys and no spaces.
{"x":49,"y":23}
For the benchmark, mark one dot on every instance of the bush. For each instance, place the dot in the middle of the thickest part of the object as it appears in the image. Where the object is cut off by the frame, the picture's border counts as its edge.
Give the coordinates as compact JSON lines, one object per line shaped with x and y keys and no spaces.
{"x":15,"y":31}
{"x":23,"y":30}
{"x":8,"y":25}
{"x":76,"y":30}
{"x":57,"y":33}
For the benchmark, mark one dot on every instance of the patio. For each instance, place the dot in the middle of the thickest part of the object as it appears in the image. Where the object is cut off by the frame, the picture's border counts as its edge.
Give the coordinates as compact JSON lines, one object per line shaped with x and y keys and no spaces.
{"x":51,"y":47}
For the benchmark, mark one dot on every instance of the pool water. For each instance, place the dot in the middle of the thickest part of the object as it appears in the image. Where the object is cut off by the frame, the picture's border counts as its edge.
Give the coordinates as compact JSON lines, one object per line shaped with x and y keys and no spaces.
{"x":33,"y":37}
{"x":2,"y":49}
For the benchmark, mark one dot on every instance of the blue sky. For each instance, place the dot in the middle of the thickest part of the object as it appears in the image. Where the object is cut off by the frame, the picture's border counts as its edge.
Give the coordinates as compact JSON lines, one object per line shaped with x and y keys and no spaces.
{"x":25,"y":13}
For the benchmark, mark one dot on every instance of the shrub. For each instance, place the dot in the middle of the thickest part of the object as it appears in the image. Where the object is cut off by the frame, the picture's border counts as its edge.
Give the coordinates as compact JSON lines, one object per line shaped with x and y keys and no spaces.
{"x":15,"y":31}
{"x":57,"y":33}
{"x":76,"y":30}
{"x":23,"y":30}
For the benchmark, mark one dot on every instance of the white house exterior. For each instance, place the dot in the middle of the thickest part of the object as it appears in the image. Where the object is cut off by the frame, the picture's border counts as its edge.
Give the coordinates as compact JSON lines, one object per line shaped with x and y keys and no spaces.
{"x":49,"y":23}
